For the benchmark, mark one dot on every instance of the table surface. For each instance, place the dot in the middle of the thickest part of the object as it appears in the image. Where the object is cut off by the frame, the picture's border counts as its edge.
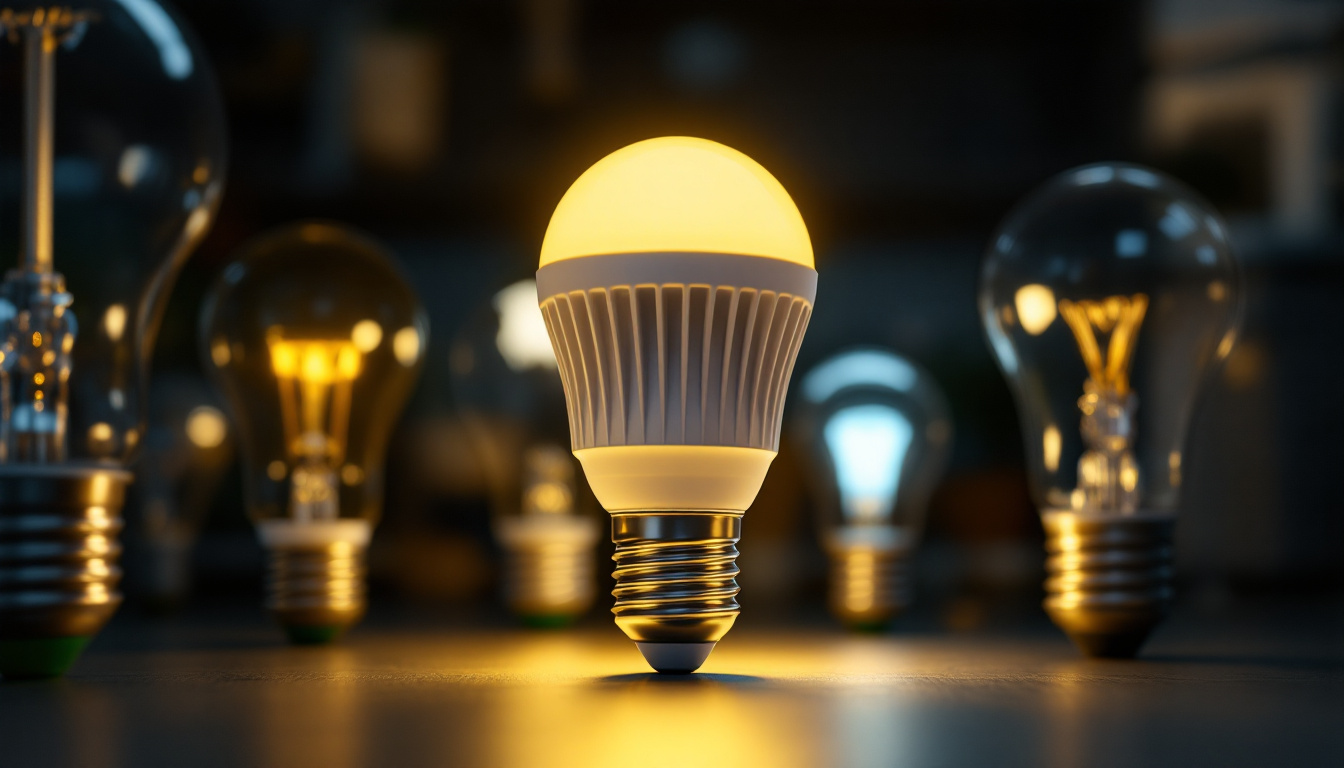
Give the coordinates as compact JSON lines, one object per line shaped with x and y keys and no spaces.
{"x":1262,"y":686}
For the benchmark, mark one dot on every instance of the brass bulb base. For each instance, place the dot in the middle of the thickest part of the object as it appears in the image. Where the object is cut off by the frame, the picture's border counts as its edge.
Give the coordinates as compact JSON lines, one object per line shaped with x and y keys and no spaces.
{"x":316,"y":591}
{"x":549,"y":583}
{"x":58,"y":563}
{"x":869,"y":586}
{"x":676,"y":583}
{"x":1109,"y":578}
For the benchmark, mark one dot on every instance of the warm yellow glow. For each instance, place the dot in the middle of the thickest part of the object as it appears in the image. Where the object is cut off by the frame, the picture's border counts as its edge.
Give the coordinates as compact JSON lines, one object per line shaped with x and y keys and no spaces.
{"x":277,"y":470}
{"x":314,"y":376}
{"x":677,"y":193}
{"x":1119,"y":316}
{"x":114,"y":322}
{"x":1050,"y":445}
{"x":100,"y":435}
{"x":406,"y":346}
{"x":1035,"y":308}
{"x":206,"y":427}
{"x":366,"y":335}
{"x":219,"y":352}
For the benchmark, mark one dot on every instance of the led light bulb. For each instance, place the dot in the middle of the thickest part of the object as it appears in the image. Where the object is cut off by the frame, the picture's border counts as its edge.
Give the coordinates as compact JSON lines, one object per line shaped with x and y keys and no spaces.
{"x":879,"y":433}
{"x":509,"y":394}
{"x":188,"y":449}
{"x":316,"y":340}
{"x":676,"y":280}
{"x":1109,"y":296}
{"x":115,"y":172}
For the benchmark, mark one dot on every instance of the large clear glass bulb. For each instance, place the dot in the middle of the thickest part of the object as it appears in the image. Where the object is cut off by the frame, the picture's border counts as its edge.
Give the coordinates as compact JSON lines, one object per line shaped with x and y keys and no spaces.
{"x":507,"y":387}
{"x":316,"y":340}
{"x":879,"y":433}
{"x":112,"y":148}
{"x":1108,"y":297}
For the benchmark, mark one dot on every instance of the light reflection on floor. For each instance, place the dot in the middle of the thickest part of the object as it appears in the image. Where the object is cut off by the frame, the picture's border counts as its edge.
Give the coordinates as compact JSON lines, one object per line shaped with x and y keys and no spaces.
{"x":585,"y":698}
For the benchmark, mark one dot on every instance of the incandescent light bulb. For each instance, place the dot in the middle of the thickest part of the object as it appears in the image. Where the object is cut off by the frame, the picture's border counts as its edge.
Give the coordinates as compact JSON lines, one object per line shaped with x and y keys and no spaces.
{"x":879,"y":433}
{"x":1109,"y":296}
{"x":676,"y":280}
{"x":316,"y":340}
{"x":112,"y":150}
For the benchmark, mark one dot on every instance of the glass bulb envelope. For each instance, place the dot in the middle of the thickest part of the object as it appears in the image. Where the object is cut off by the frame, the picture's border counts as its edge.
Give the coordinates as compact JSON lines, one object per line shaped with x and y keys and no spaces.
{"x":315,"y":340}
{"x":1109,"y":296}
{"x":112,"y":144}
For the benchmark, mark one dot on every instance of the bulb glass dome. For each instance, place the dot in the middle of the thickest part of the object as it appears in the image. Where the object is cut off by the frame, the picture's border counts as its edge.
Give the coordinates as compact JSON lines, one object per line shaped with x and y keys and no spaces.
{"x":677,"y":194}
{"x":1108,"y":296}
{"x":316,"y":340}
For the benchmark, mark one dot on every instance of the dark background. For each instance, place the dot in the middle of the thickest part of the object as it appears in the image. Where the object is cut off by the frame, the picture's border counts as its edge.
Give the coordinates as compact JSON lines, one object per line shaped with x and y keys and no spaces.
{"x":904,"y":131}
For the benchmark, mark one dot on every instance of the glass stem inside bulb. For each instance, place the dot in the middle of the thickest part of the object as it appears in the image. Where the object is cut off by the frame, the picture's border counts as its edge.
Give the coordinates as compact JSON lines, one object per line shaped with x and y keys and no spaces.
{"x":37,"y":330}
{"x":1108,"y":475}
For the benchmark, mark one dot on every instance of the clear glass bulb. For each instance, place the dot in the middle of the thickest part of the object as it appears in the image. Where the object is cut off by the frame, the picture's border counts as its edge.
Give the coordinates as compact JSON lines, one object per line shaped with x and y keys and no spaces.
{"x":1109,"y":296}
{"x":316,"y":341}
{"x":113,"y":152}
{"x":508,"y":391}
{"x":879,"y":433}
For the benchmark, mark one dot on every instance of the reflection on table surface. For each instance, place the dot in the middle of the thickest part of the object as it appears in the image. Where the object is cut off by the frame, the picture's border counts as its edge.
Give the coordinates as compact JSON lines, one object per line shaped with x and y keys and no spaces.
{"x":1265,"y":690}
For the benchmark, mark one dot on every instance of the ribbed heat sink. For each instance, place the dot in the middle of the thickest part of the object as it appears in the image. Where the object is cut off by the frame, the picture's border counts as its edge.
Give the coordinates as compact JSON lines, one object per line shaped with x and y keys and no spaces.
{"x":675,"y":364}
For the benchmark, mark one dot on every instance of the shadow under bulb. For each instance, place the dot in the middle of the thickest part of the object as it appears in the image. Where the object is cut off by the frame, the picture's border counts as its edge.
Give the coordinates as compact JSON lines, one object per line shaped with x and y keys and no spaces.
{"x":315,"y":339}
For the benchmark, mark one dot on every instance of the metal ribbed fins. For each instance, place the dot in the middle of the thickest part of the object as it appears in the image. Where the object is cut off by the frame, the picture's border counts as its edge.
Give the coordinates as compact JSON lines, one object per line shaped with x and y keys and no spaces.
{"x":676,"y":364}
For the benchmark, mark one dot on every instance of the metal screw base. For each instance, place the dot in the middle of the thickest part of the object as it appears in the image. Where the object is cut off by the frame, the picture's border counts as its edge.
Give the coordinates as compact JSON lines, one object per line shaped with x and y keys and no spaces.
{"x":675,"y":577}
{"x":549,"y":582}
{"x":869,"y":586}
{"x":1108,"y":578}
{"x":58,"y":563}
{"x":316,"y":592}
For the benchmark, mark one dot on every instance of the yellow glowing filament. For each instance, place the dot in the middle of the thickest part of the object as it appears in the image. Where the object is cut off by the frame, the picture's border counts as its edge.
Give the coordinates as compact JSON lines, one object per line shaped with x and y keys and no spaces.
{"x":39,"y":379}
{"x":206,"y":427}
{"x":37,"y":339}
{"x":315,"y":377}
{"x":1035,"y":308}
{"x":100,"y":433}
{"x":1118,"y":316}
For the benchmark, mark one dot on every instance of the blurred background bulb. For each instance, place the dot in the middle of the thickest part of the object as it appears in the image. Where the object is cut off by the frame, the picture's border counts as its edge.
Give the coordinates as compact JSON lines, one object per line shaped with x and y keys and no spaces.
{"x":676,"y":280}
{"x":112,"y":146}
{"x":1109,"y":295}
{"x":508,"y":390}
{"x":316,"y":340}
{"x":188,"y":449}
{"x":879,"y":434}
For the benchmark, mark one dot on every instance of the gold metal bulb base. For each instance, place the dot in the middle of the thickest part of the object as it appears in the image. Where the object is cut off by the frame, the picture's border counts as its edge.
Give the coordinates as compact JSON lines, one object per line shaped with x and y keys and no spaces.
{"x":316,"y":592}
{"x":1108,"y":578}
{"x":58,"y":564}
{"x":549,"y":583}
{"x":869,"y":586}
{"x":676,"y":587}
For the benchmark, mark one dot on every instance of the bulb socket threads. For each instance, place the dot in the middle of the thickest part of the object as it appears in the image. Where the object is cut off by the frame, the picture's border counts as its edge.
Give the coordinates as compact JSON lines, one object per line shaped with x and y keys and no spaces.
{"x":870,"y":586}
{"x":549,"y":581}
{"x":59,"y":574}
{"x":676,"y":580}
{"x":316,"y":591}
{"x":1109,"y":578}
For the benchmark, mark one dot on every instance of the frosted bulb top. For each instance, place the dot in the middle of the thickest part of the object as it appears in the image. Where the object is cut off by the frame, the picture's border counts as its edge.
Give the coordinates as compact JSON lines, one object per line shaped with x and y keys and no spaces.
{"x":677,"y":194}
